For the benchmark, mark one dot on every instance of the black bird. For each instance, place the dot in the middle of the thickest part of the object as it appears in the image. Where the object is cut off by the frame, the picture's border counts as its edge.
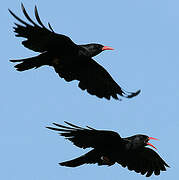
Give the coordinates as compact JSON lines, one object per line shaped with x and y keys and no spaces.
{"x":70,"y":61}
{"x":109,"y":148}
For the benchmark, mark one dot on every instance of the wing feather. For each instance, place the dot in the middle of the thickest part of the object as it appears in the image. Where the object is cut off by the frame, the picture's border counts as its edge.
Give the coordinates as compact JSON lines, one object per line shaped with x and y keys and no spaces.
{"x":87,"y":137}
{"x":27,"y":16}
{"x":39,"y":38}
{"x":92,"y":77}
{"x":144,"y":161}
{"x":38,"y":18}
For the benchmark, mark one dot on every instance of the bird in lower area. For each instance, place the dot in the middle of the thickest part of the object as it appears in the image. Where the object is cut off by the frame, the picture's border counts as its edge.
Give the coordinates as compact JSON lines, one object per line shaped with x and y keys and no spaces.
{"x":109,"y":148}
{"x":70,"y":61}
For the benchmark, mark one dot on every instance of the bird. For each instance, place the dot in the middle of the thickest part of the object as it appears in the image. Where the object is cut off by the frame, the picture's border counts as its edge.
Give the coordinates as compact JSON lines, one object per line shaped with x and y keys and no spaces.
{"x":109,"y":148}
{"x":70,"y":61}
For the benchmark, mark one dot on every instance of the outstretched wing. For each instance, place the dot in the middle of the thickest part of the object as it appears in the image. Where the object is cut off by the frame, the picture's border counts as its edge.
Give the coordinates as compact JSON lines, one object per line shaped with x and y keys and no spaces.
{"x":39,"y":38}
{"x":144,"y":161}
{"x":93,"y":78}
{"x":87,"y":137}
{"x":97,"y":81}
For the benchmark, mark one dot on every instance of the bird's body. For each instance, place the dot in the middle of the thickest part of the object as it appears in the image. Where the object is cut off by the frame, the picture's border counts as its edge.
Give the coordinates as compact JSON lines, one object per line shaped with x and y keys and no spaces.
{"x":70,"y":61}
{"x":109,"y":148}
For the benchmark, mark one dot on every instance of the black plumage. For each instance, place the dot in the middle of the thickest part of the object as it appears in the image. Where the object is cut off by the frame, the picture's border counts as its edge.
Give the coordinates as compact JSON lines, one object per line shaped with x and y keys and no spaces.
{"x":109,"y":148}
{"x":70,"y":61}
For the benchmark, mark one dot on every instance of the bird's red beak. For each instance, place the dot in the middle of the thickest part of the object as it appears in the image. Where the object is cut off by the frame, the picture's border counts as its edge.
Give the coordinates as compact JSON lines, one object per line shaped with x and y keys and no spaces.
{"x":150,"y":143}
{"x":107,"y":48}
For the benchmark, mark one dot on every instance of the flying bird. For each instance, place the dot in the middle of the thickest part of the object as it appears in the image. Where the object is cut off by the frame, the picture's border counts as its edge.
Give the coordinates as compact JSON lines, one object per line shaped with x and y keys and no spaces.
{"x":109,"y":148}
{"x":70,"y":61}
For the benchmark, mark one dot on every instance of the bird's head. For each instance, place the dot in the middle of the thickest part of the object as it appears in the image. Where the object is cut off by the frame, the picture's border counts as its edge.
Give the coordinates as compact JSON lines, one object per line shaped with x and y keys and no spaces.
{"x":140,"y":140}
{"x":94,"y":49}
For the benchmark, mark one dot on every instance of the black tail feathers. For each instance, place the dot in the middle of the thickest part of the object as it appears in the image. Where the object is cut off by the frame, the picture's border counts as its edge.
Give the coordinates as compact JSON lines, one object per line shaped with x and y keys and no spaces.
{"x":74,"y":163}
{"x":30,"y":63}
{"x":91,"y":157}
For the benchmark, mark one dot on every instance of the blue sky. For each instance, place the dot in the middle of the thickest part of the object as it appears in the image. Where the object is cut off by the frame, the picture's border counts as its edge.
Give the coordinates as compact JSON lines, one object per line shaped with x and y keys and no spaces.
{"x":145,"y":35}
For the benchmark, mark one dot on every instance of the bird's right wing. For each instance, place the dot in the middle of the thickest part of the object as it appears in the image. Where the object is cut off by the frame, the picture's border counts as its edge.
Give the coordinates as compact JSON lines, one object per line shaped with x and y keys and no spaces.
{"x":92,"y":76}
{"x":97,"y":81}
{"x":144,"y":161}
{"x":87,"y":137}
{"x":39,"y":38}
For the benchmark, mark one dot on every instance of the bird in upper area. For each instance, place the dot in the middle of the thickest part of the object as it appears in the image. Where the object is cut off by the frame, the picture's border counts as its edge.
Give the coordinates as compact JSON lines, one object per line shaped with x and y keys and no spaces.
{"x":109,"y":148}
{"x":70,"y":61}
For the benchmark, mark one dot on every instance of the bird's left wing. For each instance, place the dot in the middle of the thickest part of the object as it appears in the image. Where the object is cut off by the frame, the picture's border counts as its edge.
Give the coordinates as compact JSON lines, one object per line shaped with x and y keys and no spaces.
{"x":86,"y":137}
{"x":39,"y":38}
{"x":144,"y":161}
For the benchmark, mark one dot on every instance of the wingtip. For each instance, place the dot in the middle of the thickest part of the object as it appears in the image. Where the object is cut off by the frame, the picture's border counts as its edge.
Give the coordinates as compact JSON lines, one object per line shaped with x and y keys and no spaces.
{"x":52,"y":128}
{"x":55,"y":124}
{"x":167,"y":165}
{"x":22,"y":6}
{"x":138,"y":91}
{"x":10,"y":12}
{"x":48,"y":127}
{"x":35,"y":9}
{"x":66,"y":122}
{"x":134,"y":94}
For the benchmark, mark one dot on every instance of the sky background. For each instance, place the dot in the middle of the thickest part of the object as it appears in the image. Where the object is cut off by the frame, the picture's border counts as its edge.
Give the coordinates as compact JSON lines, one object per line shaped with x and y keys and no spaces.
{"x":145,"y":35}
